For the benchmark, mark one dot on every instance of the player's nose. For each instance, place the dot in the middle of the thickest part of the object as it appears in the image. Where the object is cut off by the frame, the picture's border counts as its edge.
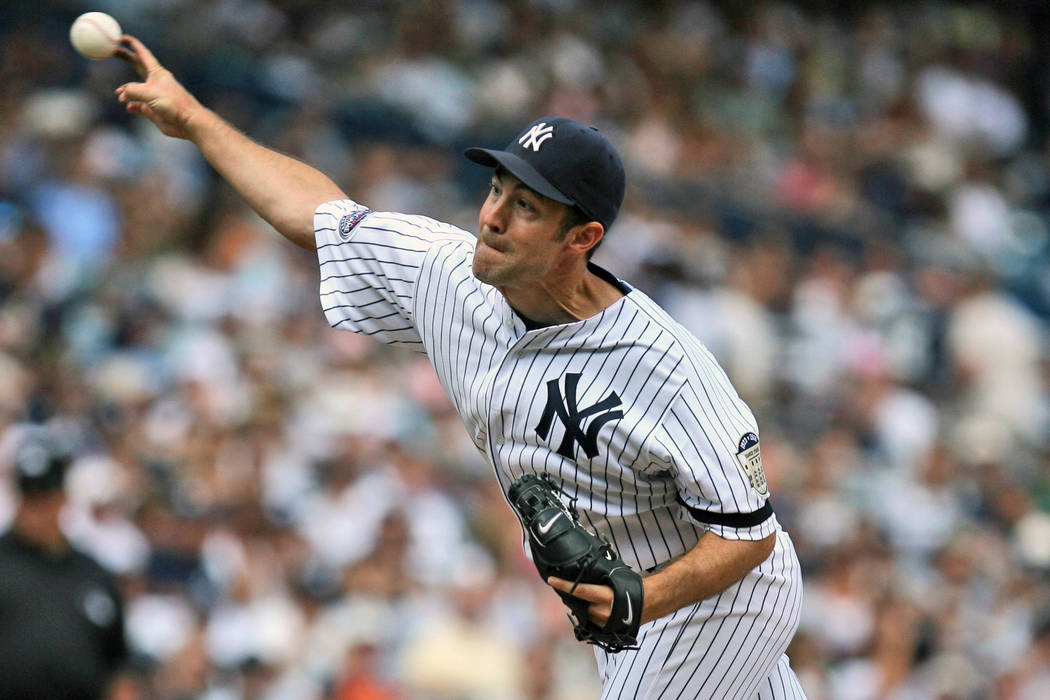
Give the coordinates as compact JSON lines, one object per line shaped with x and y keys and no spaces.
{"x":494,"y":217}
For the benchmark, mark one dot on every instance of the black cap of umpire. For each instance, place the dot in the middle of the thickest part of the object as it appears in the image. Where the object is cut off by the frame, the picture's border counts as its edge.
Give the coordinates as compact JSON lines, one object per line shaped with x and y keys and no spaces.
{"x":566,"y":161}
{"x":41,"y":462}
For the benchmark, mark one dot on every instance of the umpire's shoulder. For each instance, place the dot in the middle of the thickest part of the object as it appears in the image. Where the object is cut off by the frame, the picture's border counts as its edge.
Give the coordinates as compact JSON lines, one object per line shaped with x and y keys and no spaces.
{"x":90,"y":567}
{"x":6,"y":541}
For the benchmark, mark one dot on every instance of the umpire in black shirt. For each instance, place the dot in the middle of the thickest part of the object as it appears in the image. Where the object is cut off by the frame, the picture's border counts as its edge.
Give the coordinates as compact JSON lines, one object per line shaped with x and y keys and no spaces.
{"x":61,"y":616}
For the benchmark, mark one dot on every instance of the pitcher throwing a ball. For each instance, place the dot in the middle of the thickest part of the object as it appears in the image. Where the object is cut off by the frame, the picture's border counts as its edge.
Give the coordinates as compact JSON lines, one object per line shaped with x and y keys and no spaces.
{"x":558,"y":369}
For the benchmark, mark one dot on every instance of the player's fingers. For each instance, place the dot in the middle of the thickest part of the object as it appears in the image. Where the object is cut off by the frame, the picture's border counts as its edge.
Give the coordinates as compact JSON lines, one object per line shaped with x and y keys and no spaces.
{"x":590,"y":592}
{"x":141,"y":108}
{"x":600,"y":597}
{"x":143,"y":55}
{"x":133,"y":92}
{"x":149,"y":113}
{"x":560,"y":584}
{"x":132,"y":59}
{"x":599,"y":612}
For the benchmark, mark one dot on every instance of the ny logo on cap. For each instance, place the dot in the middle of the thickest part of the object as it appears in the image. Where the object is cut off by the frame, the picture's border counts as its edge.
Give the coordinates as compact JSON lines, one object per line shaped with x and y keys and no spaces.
{"x":534,"y":137}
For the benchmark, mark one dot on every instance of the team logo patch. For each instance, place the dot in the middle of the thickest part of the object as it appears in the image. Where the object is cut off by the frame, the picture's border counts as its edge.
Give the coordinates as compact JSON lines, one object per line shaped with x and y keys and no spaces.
{"x":572,"y":415}
{"x":749,"y":454}
{"x":350,"y":221}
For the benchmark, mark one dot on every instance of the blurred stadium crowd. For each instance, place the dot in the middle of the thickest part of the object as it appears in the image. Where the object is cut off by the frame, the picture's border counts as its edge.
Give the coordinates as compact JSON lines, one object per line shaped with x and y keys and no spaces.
{"x":849,"y":207}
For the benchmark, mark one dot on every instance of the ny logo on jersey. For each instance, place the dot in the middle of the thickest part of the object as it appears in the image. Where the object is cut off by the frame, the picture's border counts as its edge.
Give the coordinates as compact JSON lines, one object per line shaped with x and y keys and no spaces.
{"x":572,"y":416}
{"x":534,"y":137}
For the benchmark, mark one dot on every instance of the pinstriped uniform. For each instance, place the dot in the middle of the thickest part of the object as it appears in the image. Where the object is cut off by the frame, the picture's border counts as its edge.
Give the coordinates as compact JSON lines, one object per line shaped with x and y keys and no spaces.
{"x":626,"y":409}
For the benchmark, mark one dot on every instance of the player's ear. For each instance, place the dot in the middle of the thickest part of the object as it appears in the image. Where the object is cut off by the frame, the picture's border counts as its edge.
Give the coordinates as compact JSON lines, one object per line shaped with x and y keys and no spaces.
{"x":585,"y":236}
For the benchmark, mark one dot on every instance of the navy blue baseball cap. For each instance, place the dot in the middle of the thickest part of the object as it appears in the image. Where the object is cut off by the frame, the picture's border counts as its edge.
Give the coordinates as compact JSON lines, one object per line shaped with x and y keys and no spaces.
{"x":566,"y":161}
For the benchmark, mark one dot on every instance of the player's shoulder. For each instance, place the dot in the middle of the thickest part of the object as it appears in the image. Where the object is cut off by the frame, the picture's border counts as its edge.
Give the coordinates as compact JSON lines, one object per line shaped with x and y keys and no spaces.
{"x":418,"y":223}
{"x":676,"y":343}
{"x":673,"y":335}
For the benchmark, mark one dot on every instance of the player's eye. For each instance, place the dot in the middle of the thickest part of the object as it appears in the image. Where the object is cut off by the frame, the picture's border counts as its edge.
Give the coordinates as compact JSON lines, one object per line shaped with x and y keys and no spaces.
{"x":494,"y":188}
{"x":525,"y":205}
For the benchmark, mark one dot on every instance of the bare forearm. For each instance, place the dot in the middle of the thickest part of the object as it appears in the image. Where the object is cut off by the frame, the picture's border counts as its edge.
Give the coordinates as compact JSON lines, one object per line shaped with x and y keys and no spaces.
{"x":282,"y":190}
{"x":710,"y":567}
{"x":706,"y":570}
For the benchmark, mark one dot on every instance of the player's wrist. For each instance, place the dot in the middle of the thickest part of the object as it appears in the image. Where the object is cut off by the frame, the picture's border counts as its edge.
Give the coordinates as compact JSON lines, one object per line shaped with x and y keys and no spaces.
{"x":658,"y":601}
{"x":680,"y":583}
{"x":198,"y":122}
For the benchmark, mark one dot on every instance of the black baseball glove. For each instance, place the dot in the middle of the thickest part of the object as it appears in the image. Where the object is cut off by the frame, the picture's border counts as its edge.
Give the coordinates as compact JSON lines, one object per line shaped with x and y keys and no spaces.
{"x":562,"y":547}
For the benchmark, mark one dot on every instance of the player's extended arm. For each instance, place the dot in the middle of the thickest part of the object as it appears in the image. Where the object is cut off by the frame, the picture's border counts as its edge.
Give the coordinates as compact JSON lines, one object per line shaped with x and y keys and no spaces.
{"x":710,"y":567}
{"x":284,"y":191}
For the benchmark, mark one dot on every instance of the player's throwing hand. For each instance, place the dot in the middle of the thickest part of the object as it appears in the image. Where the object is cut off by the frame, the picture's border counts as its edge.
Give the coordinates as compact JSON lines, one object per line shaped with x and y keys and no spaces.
{"x":159,"y":97}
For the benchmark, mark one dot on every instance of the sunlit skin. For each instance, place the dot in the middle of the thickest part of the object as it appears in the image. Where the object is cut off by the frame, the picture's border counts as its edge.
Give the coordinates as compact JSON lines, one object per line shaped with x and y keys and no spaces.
{"x":525,"y":252}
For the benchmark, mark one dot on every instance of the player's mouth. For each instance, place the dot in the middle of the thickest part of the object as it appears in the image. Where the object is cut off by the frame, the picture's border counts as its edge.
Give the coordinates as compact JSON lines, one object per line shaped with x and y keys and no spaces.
{"x":488,"y":244}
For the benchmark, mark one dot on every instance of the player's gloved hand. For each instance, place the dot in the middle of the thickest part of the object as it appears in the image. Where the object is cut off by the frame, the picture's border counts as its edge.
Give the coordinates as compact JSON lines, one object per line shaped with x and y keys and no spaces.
{"x":564,"y":549}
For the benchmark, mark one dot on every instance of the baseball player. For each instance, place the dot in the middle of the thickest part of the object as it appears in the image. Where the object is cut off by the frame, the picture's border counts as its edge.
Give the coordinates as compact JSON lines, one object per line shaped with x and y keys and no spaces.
{"x":557,"y":368}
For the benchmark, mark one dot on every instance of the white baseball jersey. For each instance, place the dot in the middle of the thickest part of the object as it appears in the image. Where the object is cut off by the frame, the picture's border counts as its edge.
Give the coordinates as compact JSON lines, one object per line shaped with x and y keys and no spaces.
{"x":626,"y":409}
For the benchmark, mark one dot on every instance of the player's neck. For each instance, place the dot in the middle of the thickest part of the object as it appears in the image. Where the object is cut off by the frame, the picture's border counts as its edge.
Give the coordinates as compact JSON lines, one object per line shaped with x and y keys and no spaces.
{"x":564,"y":299}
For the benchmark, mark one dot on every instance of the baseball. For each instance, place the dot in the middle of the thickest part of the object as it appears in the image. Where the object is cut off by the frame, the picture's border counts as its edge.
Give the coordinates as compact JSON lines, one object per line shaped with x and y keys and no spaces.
{"x":95,"y":35}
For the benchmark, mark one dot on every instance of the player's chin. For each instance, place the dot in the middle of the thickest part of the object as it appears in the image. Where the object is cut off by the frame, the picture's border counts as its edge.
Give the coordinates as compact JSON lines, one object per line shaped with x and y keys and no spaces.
{"x":486,"y":264}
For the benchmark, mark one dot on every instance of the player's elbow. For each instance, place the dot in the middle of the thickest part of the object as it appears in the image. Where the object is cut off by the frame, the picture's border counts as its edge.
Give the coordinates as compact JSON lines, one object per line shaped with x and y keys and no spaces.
{"x":751,"y":553}
{"x":302,"y":238}
{"x":294,"y":218}
{"x":764,"y":547}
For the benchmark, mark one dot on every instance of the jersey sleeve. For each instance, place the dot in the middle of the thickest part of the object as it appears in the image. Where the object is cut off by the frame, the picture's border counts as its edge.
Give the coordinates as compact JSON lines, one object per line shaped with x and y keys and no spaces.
{"x":370,"y":263}
{"x":708,"y":440}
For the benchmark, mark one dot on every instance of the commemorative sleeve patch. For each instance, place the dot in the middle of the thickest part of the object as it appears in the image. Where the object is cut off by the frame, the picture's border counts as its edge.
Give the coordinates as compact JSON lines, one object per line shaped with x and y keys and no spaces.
{"x":350,"y":221}
{"x":749,"y":454}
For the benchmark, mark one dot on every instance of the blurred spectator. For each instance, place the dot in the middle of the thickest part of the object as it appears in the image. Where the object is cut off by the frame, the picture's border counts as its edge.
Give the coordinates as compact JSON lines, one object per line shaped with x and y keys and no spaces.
{"x":61,"y":614}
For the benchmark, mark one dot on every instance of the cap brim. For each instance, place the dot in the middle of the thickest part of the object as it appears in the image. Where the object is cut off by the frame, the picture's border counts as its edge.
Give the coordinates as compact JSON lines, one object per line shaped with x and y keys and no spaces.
{"x":519,"y":169}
